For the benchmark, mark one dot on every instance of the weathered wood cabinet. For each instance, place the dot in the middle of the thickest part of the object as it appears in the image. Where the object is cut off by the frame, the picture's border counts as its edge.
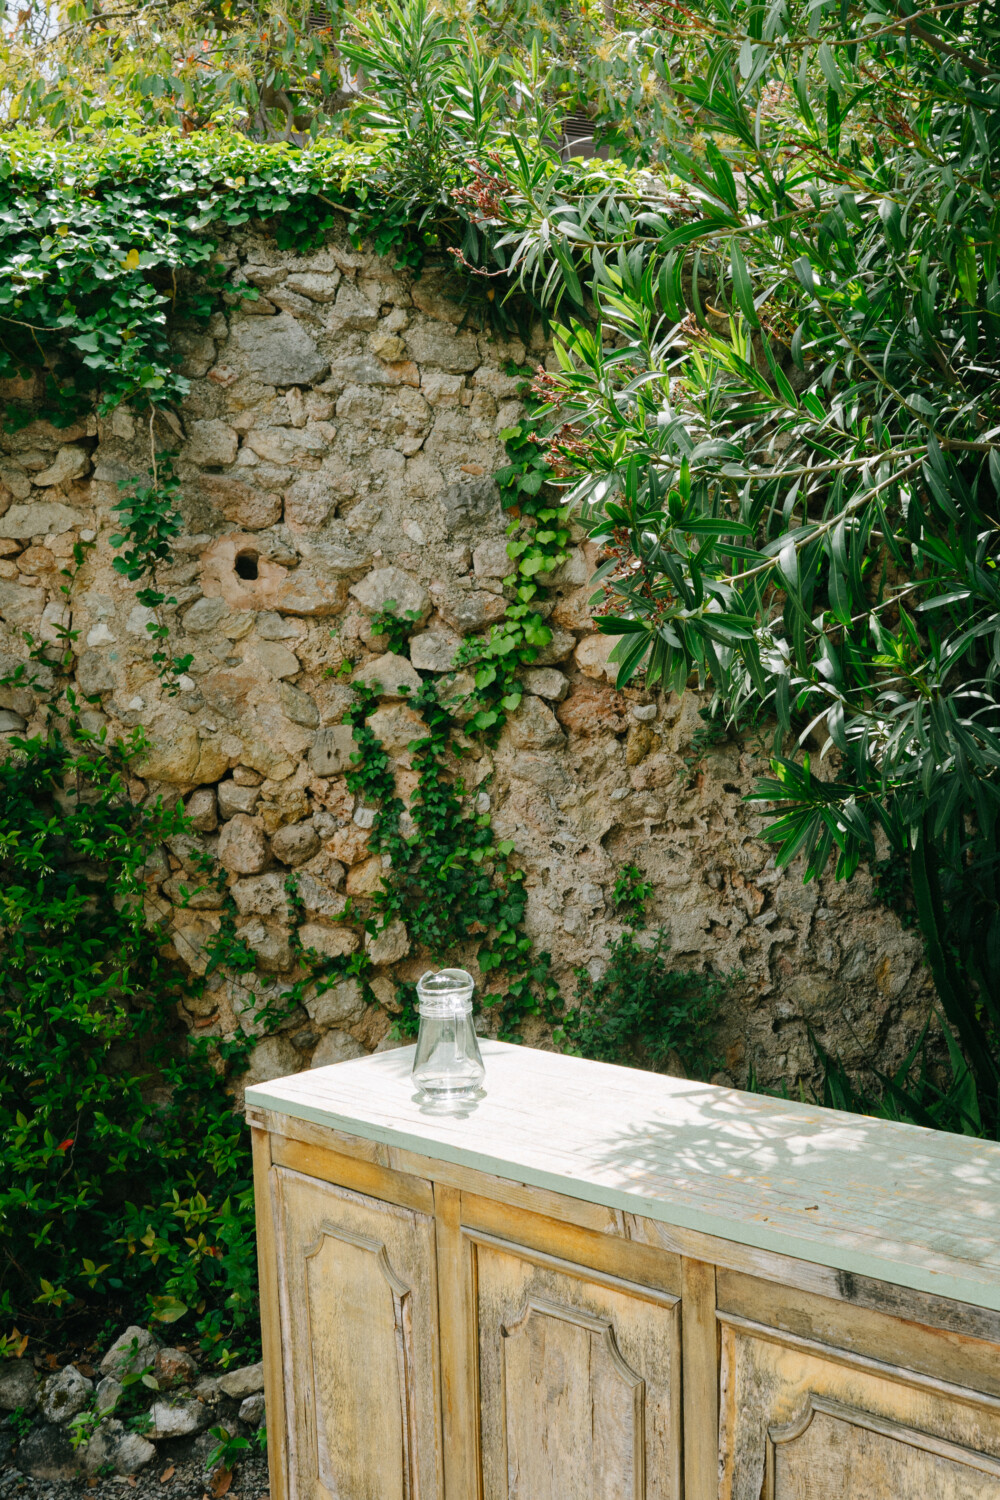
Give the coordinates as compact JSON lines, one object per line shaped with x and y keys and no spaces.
{"x":611,"y":1285}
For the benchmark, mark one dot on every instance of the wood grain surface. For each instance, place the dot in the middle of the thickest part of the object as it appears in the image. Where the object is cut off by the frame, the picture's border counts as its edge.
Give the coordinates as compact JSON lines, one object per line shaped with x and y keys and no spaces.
{"x":915,"y":1207}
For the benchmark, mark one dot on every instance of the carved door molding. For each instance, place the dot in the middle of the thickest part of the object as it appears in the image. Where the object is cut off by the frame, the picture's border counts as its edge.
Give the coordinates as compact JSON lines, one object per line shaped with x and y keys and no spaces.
{"x":579,"y":1380}
{"x":802,"y":1420}
{"x":358,"y":1306}
{"x":603,"y":1330}
{"x":853,"y":1416}
{"x":402,"y":1319}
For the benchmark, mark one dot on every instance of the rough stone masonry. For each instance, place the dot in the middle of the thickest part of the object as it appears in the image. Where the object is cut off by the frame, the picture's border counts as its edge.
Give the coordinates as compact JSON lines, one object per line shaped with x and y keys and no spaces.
{"x":337,"y":450}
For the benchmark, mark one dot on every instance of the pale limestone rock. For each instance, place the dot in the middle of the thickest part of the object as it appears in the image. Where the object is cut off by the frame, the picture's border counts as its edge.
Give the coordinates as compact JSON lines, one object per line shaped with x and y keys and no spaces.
{"x":592,"y":657}
{"x":467,"y":611}
{"x":433,"y":293}
{"x":434,"y":650}
{"x":56,"y":619}
{"x":277,"y":349}
{"x":397,"y":726}
{"x":140,"y":618}
{"x":132,"y":1453}
{"x":572,"y":612}
{"x":233,"y":798}
{"x":211,"y":442}
{"x":319,"y":896}
{"x":246,"y":1381}
{"x":173,"y":755}
{"x":21,"y":604}
{"x":131,"y":1353}
{"x":242,"y":846}
{"x":304,"y":593}
{"x":191,"y":935}
{"x":295,"y":843}
{"x":252,"y":1410}
{"x":329,"y":942}
{"x":546,"y":682}
{"x":352,"y":311}
{"x":644,"y":712}
{"x":309,"y":501}
{"x":64,"y":1395}
{"x":316,"y":285}
{"x":335,"y":1047}
{"x":388,"y":346}
{"x":265,"y":277}
{"x":490,"y":559}
{"x":69,"y":463}
{"x":272,"y":627}
{"x":558,"y":648}
{"x":331,"y":751}
{"x":365,"y":879}
{"x":270,"y":942}
{"x":391,"y":585}
{"x":204,"y":615}
{"x":276,"y":659}
{"x":18,"y":1385}
{"x":94,"y":674}
{"x":298,"y":706}
{"x":442,"y":348}
{"x":341,"y":1005}
{"x":175,"y":1419}
{"x":251,"y":508}
{"x":261,"y":896}
{"x":236,"y":569}
{"x":273,"y":1057}
{"x":22,"y":522}
{"x":439,"y":389}
{"x":573,"y":572}
{"x":109,"y":1393}
{"x":391,"y":676}
{"x":390,"y":945}
{"x":534,"y":726}
{"x":213,"y":761}
{"x":286,"y":445}
{"x":202,"y":810}
{"x":15,"y":479}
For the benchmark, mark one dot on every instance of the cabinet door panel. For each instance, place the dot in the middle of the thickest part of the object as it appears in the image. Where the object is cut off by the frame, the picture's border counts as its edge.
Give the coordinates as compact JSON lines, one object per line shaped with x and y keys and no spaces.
{"x":801,"y":1421}
{"x":579,"y":1381}
{"x":358,"y":1314}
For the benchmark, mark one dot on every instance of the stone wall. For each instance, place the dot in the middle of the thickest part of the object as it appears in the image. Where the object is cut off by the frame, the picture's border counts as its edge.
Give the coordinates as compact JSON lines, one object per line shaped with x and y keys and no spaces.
{"x":336,"y":452}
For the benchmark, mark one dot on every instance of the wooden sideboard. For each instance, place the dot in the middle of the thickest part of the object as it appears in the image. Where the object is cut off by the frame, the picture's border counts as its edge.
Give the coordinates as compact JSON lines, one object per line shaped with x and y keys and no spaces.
{"x":602,"y":1284}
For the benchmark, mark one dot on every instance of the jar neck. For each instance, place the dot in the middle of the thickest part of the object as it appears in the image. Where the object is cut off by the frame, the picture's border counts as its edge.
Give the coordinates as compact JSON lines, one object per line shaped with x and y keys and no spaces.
{"x":439,"y":1006}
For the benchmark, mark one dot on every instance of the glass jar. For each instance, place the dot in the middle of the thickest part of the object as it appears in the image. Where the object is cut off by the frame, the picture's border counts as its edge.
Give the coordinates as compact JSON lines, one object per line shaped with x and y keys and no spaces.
{"x":448,"y":1063}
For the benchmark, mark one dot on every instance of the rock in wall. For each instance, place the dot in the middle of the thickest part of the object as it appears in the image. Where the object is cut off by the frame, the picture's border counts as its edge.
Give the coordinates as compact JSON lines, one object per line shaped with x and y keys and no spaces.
{"x":336,"y":452}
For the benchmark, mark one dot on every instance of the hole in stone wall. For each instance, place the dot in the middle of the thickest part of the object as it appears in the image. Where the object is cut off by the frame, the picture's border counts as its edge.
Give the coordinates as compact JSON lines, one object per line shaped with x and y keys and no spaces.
{"x":246,"y":565}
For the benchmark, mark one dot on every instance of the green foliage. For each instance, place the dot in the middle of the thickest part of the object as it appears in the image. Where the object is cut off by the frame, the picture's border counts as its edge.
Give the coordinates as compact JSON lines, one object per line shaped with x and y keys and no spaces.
{"x":229,"y":1448}
{"x":104,"y":238}
{"x":151,"y":520}
{"x":921,"y":1091}
{"x":640,"y":1012}
{"x":539,"y":545}
{"x":126,"y":1185}
{"x":449,"y":879}
{"x":783,"y":429}
{"x":394,"y":629}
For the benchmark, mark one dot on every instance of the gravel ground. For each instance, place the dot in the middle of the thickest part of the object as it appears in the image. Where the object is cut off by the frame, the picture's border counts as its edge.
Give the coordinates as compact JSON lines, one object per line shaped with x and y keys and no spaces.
{"x":188,"y":1482}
